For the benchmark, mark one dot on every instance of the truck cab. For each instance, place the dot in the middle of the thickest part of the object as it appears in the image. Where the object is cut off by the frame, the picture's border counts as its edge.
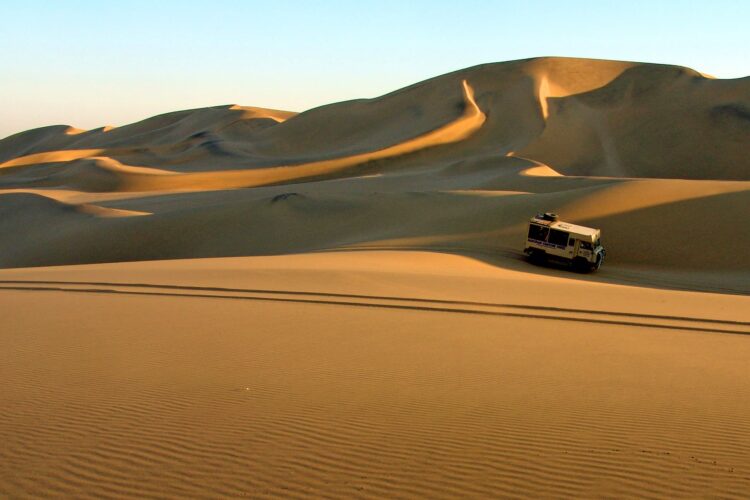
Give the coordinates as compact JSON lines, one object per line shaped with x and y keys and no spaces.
{"x":550,"y":239}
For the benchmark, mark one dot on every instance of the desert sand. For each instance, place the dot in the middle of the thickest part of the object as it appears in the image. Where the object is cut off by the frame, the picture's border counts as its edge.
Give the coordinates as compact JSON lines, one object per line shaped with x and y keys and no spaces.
{"x":238,"y":301}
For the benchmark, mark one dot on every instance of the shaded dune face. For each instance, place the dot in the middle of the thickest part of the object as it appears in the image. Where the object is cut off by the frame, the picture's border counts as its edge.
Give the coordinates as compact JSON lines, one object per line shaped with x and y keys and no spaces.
{"x":455,"y":163}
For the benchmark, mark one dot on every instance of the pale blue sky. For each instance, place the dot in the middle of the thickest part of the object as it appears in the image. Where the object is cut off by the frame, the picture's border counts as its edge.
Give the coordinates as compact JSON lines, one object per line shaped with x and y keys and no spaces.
{"x":93,"y":63}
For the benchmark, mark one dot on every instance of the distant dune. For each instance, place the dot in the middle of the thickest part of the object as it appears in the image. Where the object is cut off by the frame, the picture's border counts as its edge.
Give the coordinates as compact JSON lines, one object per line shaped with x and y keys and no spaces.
{"x":633,"y":148}
{"x":239,"y":301}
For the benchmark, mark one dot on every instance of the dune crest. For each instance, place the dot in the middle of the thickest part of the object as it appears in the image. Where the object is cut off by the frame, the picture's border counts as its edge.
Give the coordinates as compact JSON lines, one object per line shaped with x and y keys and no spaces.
{"x":50,"y":157}
{"x":100,"y":211}
{"x":132,"y":178}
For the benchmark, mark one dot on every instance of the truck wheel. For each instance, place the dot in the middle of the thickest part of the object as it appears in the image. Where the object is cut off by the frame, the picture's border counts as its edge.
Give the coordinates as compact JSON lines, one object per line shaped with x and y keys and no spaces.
{"x":581,"y":265}
{"x":537,"y":256}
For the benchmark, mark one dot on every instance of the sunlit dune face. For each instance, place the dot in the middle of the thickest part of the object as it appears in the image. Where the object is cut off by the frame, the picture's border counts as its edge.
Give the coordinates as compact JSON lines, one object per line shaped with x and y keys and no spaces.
{"x":51,"y":157}
{"x":540,"y":171}
{"x":251,"y":112}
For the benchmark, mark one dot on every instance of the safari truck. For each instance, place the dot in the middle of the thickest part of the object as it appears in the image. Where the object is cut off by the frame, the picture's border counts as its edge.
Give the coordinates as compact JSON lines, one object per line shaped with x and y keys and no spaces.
{"x":551,"y":239}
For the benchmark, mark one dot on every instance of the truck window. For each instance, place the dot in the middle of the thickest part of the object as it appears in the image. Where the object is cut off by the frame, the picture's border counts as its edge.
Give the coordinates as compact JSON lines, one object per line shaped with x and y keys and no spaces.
{"x":586,"y":245}
{"x":559,"y":238}
{"x":571,"y":242}
{"x":537,"y":232}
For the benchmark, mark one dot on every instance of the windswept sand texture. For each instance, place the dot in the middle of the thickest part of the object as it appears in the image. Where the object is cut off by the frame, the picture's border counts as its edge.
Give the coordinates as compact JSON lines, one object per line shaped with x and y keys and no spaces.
{"x":334,"y":303}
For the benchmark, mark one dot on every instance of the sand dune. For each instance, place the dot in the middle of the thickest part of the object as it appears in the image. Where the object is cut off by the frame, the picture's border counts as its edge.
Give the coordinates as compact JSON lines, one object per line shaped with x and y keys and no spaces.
{"x":254,"y":302}
{"x":395,"y":213}
{"x":128,"y":178}
{"x":369,"y":375}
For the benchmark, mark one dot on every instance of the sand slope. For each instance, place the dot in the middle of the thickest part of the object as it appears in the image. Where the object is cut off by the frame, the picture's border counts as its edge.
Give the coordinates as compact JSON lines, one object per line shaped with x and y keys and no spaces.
{"x":368,"y":374}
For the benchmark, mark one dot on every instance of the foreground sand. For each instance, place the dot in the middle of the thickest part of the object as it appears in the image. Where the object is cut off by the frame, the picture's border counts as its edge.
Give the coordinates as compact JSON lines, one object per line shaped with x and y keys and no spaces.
{"x":367,"y":374}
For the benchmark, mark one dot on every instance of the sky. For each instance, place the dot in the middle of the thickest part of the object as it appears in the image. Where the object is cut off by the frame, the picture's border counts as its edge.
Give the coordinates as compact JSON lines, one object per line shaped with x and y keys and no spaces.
{"x":93,"y":63}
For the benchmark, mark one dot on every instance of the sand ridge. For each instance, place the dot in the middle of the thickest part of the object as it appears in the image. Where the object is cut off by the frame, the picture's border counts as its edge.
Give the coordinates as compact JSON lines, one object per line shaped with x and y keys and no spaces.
{"x":130,"y":178}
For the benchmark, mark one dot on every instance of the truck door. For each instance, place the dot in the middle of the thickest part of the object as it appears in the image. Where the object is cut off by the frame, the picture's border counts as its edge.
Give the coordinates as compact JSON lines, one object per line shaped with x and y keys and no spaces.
{"x":572,"y":247}
{"x":584,"y":249}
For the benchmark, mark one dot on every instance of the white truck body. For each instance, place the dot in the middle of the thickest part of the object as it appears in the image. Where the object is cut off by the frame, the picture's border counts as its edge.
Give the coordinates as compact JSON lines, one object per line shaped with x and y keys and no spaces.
{"x":551,"y":239}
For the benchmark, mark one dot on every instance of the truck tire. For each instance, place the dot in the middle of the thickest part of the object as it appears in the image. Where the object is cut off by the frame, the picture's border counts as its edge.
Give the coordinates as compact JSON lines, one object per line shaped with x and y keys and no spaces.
{"x":581,"y":265}
{"x":537,"y":256}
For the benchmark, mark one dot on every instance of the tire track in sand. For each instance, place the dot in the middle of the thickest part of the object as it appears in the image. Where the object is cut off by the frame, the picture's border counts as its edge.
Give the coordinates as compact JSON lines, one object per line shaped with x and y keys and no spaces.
{"x":622,"y":318}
